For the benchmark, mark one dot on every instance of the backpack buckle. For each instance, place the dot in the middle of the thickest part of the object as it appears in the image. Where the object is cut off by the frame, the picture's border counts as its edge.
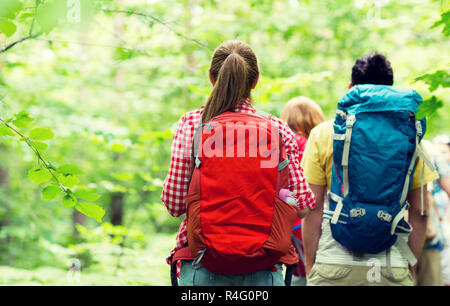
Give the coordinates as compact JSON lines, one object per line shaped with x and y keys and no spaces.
{"x":407,"y":205}
{"x":357,"y":212}
{"x":350,"y":121}
{"x":384,"y":216}
{"x":341,"y":113}
{"x":419,"y":128}
{"x":198,"y":163}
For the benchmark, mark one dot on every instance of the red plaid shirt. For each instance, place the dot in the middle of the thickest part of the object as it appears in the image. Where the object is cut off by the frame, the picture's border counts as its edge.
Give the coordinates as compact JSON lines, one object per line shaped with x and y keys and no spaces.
{"x":176,"y":184}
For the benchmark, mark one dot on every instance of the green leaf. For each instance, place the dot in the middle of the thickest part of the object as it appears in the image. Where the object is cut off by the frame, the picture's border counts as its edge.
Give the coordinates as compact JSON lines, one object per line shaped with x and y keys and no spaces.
{"x":5,"y":131}
{"x":445,"y":20}
{"x":41,"y":134}
{"x":39,"y":175}
{"x":69,"y":180}
{"x":51,"y":192}
{"x":158,"y":135}
{"x":22,"y":120}
{"x":9,"y":8}
{"x":429,"y":107}
{"x":69,"y":169}
{"x":49,"y":14}
{"x":7,"y":27}
{"x":40,"y":146}
{"x":69,"y":201}
{"x":26,"y":15}
{"x":122,"y":176}
{"x":87,"y":195}
{"x":436,"y":79}
{"x":91,"y":210}
{"x":117,"y":147}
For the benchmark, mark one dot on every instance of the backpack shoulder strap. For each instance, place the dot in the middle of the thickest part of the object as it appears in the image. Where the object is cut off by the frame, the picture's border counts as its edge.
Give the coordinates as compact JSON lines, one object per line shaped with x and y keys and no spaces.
{"x":350,"y":121}
{"x":195,"y":144}
{"x":262,"y":113}
{"x":418,"y":152}
{"x":285,"y":162}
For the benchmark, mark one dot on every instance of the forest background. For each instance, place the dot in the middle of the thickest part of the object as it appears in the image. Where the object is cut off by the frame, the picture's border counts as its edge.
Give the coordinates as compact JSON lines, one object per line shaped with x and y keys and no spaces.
{"x":90,"y":92}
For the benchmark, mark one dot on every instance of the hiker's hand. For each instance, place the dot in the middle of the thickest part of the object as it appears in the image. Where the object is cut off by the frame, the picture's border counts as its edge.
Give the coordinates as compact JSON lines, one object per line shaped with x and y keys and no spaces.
{"x":412,"y":270}
{"x":308,"y":269}
{"x":301,"y":213}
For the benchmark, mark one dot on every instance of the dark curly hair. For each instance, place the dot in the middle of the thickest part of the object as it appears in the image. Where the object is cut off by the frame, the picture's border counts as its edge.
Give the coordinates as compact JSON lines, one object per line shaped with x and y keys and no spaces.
{"x":372,"y":69}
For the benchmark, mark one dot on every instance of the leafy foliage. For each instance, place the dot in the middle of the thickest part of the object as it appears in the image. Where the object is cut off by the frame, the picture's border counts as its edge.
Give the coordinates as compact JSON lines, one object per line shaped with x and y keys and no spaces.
{"x":61,"y":178}
{"x":436,"y":79}
{"x":445,"y":20}
{"x":8,"y":11}
{"x":91,"y":91}
{"x":440,"y":78}
{"x":429,"y":107}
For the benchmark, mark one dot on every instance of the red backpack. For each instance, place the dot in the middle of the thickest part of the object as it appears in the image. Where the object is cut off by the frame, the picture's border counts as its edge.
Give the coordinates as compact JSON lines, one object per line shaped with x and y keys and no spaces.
{"x":236,"y":222}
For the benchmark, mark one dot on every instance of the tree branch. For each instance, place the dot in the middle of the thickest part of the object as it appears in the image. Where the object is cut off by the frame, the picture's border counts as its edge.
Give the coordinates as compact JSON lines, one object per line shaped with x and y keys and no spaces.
{"x":36,"y":152}
{"x":163,"y":23}
{"x":94,"y":45}
{"x":38,"y":2}
{"x":11,"y":45}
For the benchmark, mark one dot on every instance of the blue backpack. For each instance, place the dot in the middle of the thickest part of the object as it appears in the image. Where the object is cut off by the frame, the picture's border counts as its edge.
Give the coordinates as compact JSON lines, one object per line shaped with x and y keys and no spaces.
{"x":376,"y":142}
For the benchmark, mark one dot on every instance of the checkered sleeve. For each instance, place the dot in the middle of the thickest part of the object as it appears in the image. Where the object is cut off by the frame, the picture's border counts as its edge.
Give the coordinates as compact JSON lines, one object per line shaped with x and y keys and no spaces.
{"x":297,"y":182}
{"x":176,"y":184}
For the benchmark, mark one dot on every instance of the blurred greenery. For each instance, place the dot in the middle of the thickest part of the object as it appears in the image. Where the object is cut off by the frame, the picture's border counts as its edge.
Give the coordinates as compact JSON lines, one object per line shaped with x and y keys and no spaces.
{"x":96,"y":88}
{"x":144,"y":266}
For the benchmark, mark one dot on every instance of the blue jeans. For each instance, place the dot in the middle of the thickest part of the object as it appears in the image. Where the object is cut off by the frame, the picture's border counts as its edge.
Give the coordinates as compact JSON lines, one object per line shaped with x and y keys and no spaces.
{"x":199,"y":276}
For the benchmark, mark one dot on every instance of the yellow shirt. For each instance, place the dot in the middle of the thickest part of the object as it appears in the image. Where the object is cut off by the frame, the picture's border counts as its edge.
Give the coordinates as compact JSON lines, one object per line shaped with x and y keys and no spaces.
{"x":318,"y":157}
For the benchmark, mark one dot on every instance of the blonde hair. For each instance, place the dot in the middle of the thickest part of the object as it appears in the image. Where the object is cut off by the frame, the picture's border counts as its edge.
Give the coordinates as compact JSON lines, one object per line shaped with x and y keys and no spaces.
{"x":302,"y":115}
{"x":234,"y":68}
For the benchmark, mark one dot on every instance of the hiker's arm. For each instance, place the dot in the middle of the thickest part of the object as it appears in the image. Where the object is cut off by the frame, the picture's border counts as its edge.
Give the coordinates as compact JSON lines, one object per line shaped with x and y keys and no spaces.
{"x":433,"y":205}
{"x":301,"y":213}
{"x":176,"y":183}
{"x":297,"y":181}
{"x":417,"y":221}
{"x":443,"y":169}
{"x":445,"y":184}
{"x":311,"y":227}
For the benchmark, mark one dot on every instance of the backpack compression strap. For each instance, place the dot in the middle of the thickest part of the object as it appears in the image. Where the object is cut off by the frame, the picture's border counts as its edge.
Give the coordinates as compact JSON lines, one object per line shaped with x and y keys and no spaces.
{"x":181,"y":254}
{"x":346,"y":151}
{"x":347,"y":137}
{"x":419,"y":152}
{"x":402,"y":240}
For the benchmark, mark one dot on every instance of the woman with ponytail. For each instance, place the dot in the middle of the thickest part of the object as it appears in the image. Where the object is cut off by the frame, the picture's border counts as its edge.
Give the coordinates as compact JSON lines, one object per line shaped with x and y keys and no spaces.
{"x":233,"y":73}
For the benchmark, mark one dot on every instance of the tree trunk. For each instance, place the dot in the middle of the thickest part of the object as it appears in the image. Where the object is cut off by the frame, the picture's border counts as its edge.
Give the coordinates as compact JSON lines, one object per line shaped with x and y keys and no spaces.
{"x":116,"y":208}
{"x":77,"y":218}
{"x":4,"y":182}
{"x":117,"y":198}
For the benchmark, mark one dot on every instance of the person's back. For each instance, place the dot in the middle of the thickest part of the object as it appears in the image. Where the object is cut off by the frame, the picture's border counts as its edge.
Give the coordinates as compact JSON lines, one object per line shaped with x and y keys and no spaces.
{"x":231,"y":219}
{"x":302,"y":115}
{"x":329,"y":262}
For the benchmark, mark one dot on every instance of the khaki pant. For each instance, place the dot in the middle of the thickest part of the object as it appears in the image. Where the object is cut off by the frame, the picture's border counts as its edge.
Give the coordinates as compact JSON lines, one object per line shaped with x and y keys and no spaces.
{"x":349,"y":275}
{"x":428,"y":271}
